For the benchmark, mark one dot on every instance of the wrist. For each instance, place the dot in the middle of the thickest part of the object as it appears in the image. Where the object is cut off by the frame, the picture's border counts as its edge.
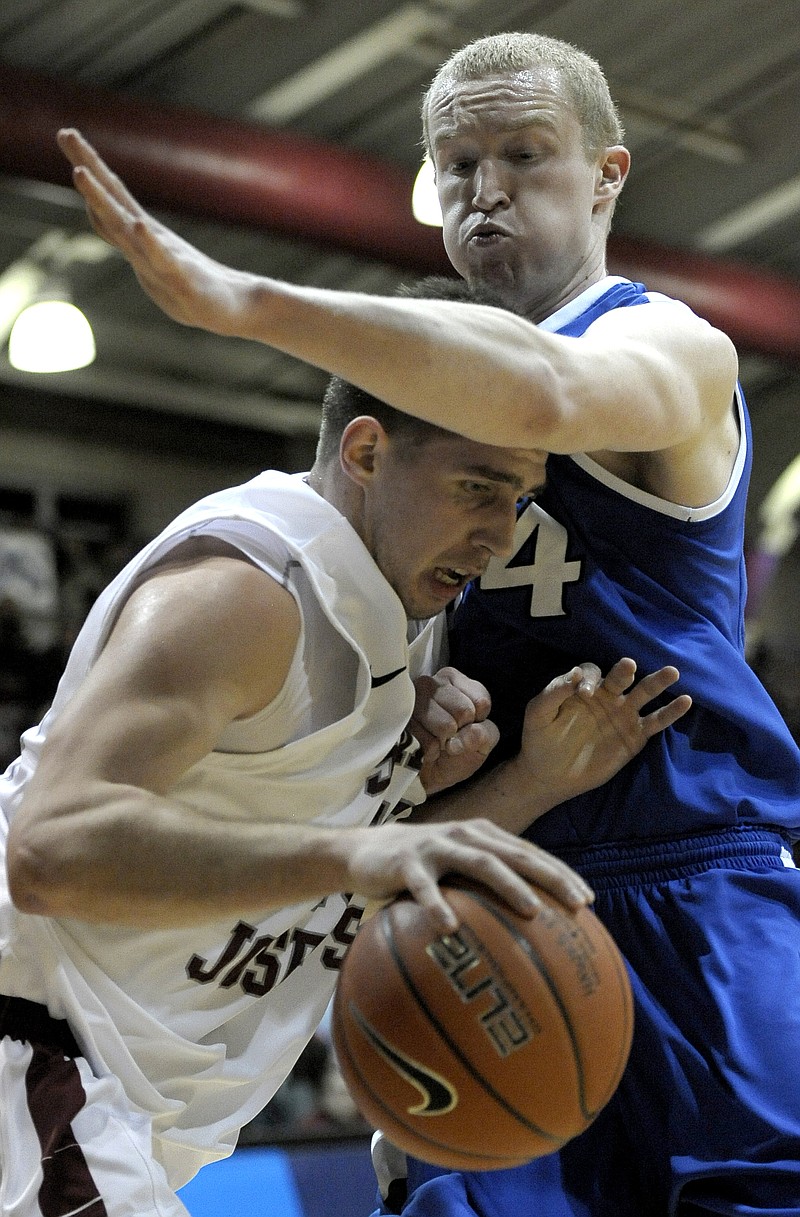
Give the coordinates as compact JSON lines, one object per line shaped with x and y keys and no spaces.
{"x":516,"y":789}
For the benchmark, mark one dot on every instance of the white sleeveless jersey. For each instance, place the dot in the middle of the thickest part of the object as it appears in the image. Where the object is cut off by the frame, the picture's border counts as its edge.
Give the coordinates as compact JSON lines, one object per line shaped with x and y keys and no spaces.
{"x":202,"y":1025}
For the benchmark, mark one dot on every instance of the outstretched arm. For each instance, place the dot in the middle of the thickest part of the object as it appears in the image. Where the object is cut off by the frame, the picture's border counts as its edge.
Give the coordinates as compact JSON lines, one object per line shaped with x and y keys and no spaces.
{"x":578,"y":732}
{"x":482,"y":371}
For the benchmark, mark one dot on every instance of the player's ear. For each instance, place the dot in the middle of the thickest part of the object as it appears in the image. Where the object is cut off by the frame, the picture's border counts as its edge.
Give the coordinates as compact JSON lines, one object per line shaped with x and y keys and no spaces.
{"x":363,"y":445}
{"x":611,"y":173}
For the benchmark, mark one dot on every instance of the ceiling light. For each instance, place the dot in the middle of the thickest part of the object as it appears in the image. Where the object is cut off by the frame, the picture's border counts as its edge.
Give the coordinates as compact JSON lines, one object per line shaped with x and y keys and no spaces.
{"x":19,"y":284}
{"x":51,"y":336}
{"x":424,"y":197}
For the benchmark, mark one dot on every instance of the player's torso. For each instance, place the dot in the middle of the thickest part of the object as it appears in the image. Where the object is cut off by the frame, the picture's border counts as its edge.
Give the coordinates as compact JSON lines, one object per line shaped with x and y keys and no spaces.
{"x":601,"y":570}
{"x":163,"y":1007}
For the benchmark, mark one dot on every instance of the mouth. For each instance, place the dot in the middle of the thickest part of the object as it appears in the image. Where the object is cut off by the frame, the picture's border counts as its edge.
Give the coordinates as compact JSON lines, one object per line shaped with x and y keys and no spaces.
{"x":486,"y":234}
{"x":454,"y":577}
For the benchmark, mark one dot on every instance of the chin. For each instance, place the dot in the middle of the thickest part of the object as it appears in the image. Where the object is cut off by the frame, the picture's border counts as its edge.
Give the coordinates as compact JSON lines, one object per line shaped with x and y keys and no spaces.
{"x":433,"y":607}
{"x":497,"y":278}
{"x":421,"y":612}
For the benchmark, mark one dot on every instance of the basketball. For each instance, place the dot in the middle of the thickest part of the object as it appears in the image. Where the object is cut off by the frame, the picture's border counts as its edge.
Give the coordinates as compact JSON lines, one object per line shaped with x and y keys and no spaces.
{"x":488,"y":1047}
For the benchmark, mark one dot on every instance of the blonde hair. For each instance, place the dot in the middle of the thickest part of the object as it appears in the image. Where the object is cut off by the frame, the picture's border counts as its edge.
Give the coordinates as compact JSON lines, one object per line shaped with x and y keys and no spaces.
{"x":585,"y":85}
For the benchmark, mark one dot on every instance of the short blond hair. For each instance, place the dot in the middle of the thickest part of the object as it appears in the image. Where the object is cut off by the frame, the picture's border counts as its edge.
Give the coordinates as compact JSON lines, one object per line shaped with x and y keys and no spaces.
{"x":584,"y":82}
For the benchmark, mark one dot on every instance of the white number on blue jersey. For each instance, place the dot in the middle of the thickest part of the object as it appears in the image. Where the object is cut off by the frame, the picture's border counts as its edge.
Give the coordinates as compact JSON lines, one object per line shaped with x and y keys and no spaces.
{"x":550,"y":569}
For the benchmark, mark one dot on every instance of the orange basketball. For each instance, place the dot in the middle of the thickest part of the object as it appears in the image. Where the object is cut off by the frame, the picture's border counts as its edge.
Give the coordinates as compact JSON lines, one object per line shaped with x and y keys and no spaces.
{"x":485,"y":1048}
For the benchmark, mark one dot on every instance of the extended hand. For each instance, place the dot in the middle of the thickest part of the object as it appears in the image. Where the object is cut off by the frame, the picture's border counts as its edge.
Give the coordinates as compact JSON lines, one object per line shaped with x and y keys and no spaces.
{"x":189,"y":286}
{"x":583,"y":728}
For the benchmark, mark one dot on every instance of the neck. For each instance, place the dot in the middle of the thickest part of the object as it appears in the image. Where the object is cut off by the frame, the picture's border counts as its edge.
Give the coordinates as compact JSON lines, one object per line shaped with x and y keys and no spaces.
{"x":331,"y":484}
{"x":315,"y":480}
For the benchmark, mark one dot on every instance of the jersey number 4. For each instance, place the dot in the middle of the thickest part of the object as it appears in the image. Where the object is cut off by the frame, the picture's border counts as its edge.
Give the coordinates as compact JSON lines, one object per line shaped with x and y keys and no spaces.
{"x":546,"y":541}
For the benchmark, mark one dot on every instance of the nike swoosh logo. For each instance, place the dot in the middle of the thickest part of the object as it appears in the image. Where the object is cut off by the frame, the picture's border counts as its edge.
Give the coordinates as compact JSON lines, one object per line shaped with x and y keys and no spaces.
{"x":438,"y":1096}
{"x":384,"y":680}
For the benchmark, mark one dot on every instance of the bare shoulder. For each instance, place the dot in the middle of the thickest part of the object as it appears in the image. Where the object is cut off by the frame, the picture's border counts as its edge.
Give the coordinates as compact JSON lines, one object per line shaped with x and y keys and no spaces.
{"x":673,"y":327}
{"x":210,"y":612}
{"x":213,"y":582}
{"x":677,"y":377}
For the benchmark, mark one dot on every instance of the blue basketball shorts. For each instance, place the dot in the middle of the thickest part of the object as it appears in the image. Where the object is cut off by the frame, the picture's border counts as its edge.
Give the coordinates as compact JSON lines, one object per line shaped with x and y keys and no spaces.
{"x":706,"y":1119}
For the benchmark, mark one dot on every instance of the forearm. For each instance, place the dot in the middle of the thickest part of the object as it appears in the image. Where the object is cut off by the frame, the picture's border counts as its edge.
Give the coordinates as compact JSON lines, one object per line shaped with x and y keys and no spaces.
{"x":478,"y":370}
{"x":482,"y":371}
{"x":132,"y":858}
{"x":135,"y":863}
{"x":507,"y":795}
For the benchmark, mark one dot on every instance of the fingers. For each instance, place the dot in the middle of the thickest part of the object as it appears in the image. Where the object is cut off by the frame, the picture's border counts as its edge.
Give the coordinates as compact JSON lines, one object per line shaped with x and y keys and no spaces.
{"x":418,"y":858}
{"x":648,"y":689}
{"x":478,"y":739}
{"x":513,"y":868}
{"x":620,"y":677}
{"x":459,"y":685}
{"x":76,"y":148}
{"x":459,"y":758}
{"x":544,"y":707}
{"x":447,"y":702}
{"x":516,"y":888}
{"x":591,"y":677}
{"x":666,"y":715}
{"x":549,"y":873}
{"x":115,"y":214}
{"x":652,"y":685}
{"x":92,"y":168}
{"x":429,"y":896}
{"x":442,"y":708}
{"x":619,"y":680}
{"x":107,"y":219}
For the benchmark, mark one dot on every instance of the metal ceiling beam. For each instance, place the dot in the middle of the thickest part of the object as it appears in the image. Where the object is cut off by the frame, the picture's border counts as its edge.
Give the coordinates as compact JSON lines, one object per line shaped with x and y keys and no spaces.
{"x":240,"y":173}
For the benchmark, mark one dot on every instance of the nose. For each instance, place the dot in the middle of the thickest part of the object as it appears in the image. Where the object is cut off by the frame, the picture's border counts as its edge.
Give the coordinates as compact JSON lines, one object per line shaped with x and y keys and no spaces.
{"x":496,"y":532}
{"x":489,"y":186}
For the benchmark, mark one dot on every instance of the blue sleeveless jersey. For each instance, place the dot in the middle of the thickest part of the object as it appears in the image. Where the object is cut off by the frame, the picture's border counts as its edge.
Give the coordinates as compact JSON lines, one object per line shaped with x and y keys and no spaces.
{"x":601,"y":570}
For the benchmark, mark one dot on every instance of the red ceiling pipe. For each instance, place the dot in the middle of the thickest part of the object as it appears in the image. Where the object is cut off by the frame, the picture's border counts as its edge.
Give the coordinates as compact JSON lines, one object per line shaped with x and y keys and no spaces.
{"x":242,"y":173}
{"x":226,"y":170}
{"x":758,"y":309}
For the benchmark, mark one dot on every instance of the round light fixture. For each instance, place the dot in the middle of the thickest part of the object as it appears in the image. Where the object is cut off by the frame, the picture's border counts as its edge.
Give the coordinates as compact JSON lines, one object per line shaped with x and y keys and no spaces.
{"x":51,"y":336}
{"x":424,"y":199}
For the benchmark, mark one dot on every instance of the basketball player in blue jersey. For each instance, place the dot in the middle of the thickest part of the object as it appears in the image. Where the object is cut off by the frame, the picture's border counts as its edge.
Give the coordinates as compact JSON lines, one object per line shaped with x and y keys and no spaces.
{"x":634,"y":546}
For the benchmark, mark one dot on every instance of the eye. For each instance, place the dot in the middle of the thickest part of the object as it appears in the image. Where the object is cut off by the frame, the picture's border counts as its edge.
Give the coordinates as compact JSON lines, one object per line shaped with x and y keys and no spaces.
{"x":481,"y":490}
{"x":525,"y":155}
{"x":457,"y":161}
{"x":459,"y":168}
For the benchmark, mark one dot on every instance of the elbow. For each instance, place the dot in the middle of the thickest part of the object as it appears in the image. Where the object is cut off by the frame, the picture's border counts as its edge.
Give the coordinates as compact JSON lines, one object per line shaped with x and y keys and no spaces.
{"x":550,"y":419}
{"x":547,"y":411}
{"x":31,"y":871}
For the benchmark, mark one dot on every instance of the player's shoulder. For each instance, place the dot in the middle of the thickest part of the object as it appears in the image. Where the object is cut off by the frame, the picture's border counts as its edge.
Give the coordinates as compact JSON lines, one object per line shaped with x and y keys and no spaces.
{"x":673,"y":327}
{"x":208,"y":587}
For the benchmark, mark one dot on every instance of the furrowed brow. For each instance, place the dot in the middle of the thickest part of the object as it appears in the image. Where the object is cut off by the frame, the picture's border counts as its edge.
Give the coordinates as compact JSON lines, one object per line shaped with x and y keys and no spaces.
{"x":511,"y":124}
{"x":490,"y":474}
